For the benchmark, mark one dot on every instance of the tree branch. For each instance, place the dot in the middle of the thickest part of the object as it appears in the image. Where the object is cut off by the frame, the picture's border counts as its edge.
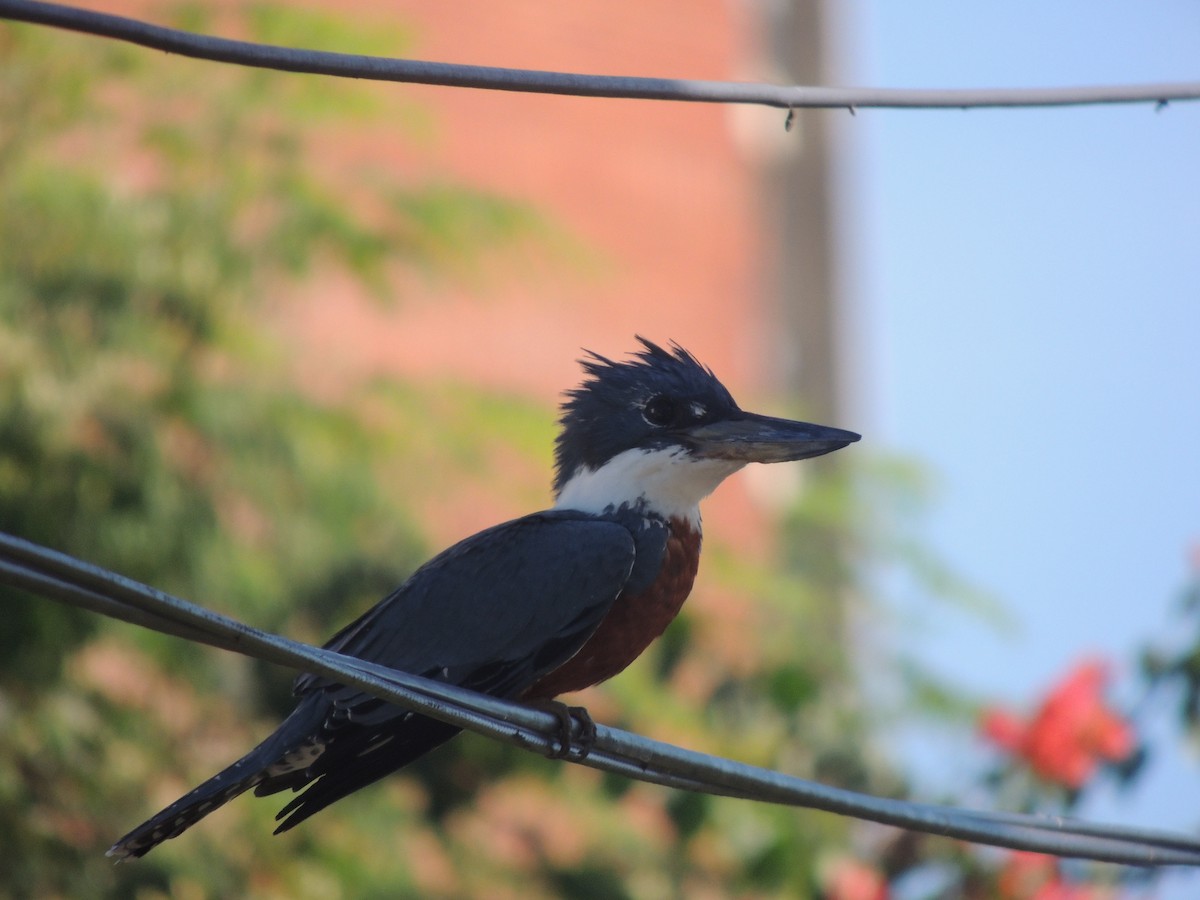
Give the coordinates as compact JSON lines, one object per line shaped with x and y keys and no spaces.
{"x":378,"y":68}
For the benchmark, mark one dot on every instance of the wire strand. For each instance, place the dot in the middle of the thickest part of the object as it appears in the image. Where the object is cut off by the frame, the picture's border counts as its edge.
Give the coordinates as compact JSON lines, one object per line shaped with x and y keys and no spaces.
{"x":60,"y":577}
{"x":379,"y":68}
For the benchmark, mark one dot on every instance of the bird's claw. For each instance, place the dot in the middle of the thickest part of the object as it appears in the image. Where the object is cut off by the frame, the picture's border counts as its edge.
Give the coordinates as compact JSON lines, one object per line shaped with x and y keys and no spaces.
{"x":576,"y":729}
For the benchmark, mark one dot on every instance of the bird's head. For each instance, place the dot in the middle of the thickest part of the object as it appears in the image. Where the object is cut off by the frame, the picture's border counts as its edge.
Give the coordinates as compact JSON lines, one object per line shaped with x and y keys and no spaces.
{"x":661,"y":431}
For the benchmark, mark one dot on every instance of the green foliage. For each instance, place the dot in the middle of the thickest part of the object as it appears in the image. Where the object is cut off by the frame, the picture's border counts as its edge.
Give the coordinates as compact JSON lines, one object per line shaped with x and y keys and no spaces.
{"x":154,"y":212}
{"x":149,"y":421}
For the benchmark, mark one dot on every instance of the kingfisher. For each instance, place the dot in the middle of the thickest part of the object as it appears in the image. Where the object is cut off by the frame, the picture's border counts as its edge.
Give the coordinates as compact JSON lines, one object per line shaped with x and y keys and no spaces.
{"x":543,"y":605}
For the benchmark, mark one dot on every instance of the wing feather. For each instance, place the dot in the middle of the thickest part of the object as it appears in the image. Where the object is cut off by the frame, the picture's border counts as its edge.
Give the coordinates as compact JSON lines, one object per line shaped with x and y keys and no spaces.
{"x":493,"y":613}
{"x":497,"y":610}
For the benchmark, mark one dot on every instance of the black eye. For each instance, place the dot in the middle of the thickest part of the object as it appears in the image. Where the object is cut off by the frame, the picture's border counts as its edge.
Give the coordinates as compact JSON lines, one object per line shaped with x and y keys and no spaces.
{"x":659,"y":410}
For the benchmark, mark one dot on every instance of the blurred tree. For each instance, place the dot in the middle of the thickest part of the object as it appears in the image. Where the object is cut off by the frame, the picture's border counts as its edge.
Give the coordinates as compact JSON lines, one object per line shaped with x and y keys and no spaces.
{"x":148,"y":417}
{"x":1174,"y":666}
{"x":150,"y":422}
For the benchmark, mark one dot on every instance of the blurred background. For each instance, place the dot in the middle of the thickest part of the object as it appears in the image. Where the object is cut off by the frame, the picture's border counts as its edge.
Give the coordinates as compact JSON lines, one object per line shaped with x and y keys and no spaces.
{"x":268,"y":341}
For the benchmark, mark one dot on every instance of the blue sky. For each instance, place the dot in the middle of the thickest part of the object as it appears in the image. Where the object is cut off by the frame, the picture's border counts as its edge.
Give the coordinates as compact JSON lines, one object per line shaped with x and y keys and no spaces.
{"x":1028,"y":289}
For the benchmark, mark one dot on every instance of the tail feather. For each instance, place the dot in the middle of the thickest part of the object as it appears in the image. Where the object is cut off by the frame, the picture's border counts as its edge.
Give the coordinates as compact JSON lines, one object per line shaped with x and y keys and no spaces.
{"x":188,"y":810}
{"x":323,"y":756}
{"x":347,"y":766}
{"x":289,"y":747}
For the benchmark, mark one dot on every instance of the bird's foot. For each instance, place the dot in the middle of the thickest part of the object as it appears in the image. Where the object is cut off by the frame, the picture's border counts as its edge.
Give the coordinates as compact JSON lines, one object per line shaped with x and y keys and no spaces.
{"x":576,"y":729}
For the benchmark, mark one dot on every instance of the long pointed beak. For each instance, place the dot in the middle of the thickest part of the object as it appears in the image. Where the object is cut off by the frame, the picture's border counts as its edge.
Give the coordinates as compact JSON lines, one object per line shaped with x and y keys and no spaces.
{"x":748,"y":437}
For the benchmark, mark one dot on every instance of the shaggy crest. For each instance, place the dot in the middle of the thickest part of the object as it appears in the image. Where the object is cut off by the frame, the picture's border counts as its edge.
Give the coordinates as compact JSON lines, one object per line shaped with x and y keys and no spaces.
{"x":603,"y":416}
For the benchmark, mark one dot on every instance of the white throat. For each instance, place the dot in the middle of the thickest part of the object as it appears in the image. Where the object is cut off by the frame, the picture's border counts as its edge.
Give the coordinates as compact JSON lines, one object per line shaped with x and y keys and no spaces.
{"x":667,"y":482}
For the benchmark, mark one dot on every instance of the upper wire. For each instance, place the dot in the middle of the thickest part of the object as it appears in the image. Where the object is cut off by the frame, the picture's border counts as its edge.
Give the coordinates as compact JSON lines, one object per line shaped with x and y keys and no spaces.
{"x":381,"y":68}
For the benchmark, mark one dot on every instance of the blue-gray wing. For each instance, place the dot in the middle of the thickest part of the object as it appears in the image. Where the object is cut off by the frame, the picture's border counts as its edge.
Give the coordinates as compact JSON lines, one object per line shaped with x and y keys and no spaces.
{"x":496,"y":611}
{"x":493,"y":613}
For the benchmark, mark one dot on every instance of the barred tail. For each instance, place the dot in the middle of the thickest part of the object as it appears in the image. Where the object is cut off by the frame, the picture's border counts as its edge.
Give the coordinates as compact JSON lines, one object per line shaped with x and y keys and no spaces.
{"x":189,"y":809}
{"x":289,"y":748}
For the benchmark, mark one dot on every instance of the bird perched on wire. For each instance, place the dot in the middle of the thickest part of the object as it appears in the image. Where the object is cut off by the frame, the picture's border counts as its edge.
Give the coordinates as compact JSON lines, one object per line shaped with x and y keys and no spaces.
{"x":543,"y":605}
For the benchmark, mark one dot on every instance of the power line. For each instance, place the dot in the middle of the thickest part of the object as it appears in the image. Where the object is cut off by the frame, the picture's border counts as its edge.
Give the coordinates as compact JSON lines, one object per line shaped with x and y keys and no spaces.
{"x":380,"y":68}
{"x":63,"y":578}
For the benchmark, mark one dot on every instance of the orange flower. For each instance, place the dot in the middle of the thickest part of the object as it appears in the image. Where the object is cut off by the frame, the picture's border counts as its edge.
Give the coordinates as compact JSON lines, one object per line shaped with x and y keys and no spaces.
{"x":1070,"y":734}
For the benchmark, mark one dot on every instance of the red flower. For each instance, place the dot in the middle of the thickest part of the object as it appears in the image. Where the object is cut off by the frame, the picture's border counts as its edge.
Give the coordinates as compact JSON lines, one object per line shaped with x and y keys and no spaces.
{"x":1003,"y":729}
{"x":1032,"y":876}
{"x":1071,"y":733}
{"x":846,"y":878}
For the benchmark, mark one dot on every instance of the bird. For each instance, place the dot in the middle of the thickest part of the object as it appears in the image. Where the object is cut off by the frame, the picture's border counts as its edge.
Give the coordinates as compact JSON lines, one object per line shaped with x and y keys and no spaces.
{"x":539,"y":606}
